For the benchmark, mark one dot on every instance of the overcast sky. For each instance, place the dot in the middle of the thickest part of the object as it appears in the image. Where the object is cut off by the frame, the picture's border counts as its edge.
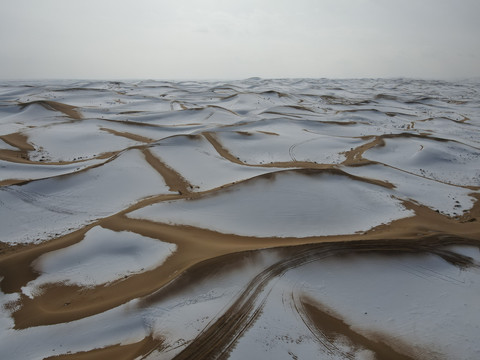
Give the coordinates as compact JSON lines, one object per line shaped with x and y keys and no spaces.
{"x":225,"y":39}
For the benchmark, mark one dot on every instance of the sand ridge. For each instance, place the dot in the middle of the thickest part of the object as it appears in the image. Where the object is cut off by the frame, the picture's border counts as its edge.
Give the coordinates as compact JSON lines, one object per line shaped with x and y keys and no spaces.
{"x":68,"y":110}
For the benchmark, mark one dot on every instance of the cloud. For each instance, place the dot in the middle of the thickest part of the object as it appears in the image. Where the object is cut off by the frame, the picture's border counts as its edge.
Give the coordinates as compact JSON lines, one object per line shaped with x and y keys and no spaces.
{"x":234,"y":39}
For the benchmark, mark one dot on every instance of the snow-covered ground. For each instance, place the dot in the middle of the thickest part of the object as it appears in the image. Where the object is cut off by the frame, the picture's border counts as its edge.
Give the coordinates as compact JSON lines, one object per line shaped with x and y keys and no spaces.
{"x":273,"y":219}
{"x":286,"y":204}
{"x":44,"y":209}
{"x":102,"y":256}
{"x":200,"y":164}
{"x":416,"y":299}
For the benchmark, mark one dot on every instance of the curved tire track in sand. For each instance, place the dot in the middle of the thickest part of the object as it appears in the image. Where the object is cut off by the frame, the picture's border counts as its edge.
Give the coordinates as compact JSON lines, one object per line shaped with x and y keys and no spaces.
{"x":217,"y":340}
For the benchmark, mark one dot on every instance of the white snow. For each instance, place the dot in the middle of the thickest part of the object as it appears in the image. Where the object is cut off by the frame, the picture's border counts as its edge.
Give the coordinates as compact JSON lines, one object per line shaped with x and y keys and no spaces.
{"x":293,"y":143}
{"x":200,"y":164}
{"x":74,"y":140}
{"x":448,"y":199}
{"x":31,"y":115}
{"x":287,"y":204}
{"x":116,"y":326}
{"x":21,"y":171}
{"x":418,"y":300}
{"x":101,"y":257}
{"x":178,"y":318}
{"x":448,"y":162}
{"x":46,"y":208}
{"x":280,"y":333}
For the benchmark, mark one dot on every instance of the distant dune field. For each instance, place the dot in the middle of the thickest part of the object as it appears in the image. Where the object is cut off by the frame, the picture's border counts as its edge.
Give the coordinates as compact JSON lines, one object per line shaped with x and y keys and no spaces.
{"x":253,"y":219}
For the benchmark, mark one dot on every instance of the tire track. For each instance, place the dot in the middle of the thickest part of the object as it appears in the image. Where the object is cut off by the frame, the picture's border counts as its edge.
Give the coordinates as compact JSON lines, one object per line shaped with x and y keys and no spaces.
{"x":216,"y":341}
{"x":321,"y":337}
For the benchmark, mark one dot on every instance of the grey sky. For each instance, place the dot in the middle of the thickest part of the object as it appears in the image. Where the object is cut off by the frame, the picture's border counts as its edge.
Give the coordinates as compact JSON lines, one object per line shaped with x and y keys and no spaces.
{"x":213,"y":39}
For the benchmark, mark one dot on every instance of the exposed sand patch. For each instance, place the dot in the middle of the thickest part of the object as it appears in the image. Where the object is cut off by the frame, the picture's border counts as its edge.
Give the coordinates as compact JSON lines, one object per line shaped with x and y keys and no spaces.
{"x":332,"y":327}
{"x":128,"y":135}
{"x":119,"y":352}
{"x":18,"y":140}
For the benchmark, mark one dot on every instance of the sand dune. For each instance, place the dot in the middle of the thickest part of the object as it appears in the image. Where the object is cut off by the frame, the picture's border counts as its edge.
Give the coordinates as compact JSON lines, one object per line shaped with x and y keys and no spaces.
{"x":68,"y":110}
{"x":282,"y":219}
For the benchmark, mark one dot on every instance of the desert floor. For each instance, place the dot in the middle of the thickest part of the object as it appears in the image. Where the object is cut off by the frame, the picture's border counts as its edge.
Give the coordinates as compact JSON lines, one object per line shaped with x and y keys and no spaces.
{"x":253,"y":219}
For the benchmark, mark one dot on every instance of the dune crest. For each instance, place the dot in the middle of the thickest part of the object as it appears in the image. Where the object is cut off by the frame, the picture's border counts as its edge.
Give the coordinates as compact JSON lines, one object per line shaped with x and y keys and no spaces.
{"x":69,"y":110}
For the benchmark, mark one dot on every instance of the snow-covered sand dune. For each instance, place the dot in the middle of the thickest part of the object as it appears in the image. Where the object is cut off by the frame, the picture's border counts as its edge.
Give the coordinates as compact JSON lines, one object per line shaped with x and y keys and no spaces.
{"x":275,"y":219}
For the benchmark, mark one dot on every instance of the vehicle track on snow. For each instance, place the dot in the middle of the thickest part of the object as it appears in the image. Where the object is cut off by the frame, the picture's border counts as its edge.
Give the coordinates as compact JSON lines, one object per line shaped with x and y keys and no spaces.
{"x":218,"y":339}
